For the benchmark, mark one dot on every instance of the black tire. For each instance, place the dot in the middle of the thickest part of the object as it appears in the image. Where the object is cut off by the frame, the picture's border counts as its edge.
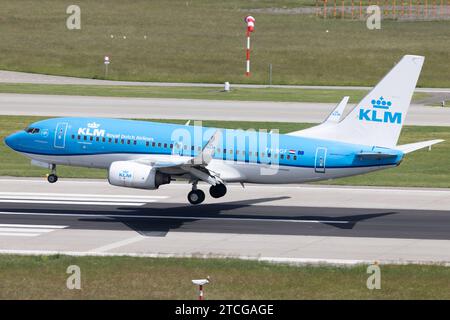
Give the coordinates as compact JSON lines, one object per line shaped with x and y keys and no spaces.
{"x":218,"y":191}
{"x":52,"y":178}
{"x":196,"y":196}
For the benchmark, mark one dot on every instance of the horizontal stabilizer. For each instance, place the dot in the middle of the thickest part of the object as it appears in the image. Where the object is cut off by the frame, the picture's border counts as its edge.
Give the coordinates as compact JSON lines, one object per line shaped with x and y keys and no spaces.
{"x":374,"y":155}
{"x":410,"y":147}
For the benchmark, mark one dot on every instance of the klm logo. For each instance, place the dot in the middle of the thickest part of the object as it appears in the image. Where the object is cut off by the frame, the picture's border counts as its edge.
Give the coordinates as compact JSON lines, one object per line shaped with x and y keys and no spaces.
{"x":92,"y":130}
{"x":380,"y":112}
{"x":125,"y":174}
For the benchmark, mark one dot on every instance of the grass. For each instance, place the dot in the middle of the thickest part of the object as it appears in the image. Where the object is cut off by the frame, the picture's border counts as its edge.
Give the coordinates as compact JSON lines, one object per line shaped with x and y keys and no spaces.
{"x":241,"y":94}
{"x":203,"y":41}
{"x":44,"y":277}
{"x":419,"y":169}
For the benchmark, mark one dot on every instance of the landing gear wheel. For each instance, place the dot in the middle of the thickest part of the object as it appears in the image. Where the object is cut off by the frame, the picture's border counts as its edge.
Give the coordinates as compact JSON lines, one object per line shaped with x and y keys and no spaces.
{"x":52,"y":178}
{"x":217,"y":191}
{"x":196,"y":196}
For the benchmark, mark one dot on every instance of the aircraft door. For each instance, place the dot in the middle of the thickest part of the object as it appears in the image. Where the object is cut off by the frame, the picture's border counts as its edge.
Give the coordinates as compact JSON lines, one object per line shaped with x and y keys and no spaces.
{"x":60,"y":135}
{"x":321,"y":156}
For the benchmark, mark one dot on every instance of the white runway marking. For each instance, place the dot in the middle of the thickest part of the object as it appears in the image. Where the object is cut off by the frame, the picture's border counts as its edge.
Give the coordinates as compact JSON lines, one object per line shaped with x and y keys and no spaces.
{"x":74,"y":195}
{"x":97,"y":203}
{"x":77,"y":199}
{"x":26,"y":230}
{"x":119,"y":244}
{"x":173,"y":217}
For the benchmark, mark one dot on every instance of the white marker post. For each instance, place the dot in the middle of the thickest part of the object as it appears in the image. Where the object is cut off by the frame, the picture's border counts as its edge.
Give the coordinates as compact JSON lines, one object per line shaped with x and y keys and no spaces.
{"x":106,"y":62}
{"x":200,"y":283}
{"x":250,"y":28}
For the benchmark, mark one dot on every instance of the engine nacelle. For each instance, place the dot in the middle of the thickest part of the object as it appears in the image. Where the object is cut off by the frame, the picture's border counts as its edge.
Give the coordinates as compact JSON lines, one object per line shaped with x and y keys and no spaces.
{"x":135,"y":175}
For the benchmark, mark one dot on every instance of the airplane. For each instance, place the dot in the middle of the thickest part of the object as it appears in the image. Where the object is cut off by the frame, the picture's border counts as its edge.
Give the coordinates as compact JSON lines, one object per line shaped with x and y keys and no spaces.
{"x":146,"y":155}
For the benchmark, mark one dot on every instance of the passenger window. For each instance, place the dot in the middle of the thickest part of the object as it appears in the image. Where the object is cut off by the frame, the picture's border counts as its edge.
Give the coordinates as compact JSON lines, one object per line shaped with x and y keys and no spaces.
{"x":109,"y":140}
{"x":171,"y":146}
{"x":153,"y":144}
{"x":185,"y":147}
{"x":288,"y":157}
{"x":122,"y":141}
{"x":192,"y":148}
{"x":199,"y":148}
{"x":84,"y":138}
{"x":165,"y":145}
{"x":91,"y":138}
{"x":116,"y":140}
{"x":97,"y":139}
{"x":281,"y":156}
{"x":159,"y":144}
{"x":147,"y":144}
{"x":79,"y":137}
{"x":128,"y":141}
{"x":103,"y":139}
{"x":295,"y":157}
{"x":231,"y":151}
{"x":134,"y":142}
{"x":73,"y":136}
{"x":262,"y":154}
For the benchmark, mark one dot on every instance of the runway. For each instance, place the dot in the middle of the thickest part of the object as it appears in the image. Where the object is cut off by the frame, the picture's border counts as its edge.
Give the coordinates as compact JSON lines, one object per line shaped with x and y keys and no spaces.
{"x":152,"y":108}
{"x":277,"y":223}
{"x":24,"y":77}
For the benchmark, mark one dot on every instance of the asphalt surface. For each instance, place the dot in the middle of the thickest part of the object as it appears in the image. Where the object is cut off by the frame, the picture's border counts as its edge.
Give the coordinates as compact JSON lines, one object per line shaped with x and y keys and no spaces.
{"x":147,"y":108}
{"x":23,"y":77}
{"x":283,"y":222}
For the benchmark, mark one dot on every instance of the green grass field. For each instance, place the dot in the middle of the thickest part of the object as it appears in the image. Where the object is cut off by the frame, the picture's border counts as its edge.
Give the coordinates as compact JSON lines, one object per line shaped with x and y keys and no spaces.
{"x":44,"y":277}
{"x":203,"y":41}
{"x":241,"y":94}
{"x":419,"y":169}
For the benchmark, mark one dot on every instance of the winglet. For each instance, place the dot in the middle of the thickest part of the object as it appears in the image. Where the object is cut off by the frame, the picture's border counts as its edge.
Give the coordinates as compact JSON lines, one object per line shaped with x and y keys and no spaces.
{"x":205,"y":156}
{"x":410,"y":147}
{"x":333,"y":118}
{"x":336,"y":114}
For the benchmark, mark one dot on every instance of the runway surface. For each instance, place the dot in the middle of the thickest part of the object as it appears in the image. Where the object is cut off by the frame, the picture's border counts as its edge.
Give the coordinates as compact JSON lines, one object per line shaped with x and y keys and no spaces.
{"x":281,"y":223}
{"x":23,"y":77}
{"x":146,"y":108}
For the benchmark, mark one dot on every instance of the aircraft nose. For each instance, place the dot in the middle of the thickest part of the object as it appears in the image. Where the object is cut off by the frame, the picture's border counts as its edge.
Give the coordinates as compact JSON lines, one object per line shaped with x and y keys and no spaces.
{"x":12,"y":140}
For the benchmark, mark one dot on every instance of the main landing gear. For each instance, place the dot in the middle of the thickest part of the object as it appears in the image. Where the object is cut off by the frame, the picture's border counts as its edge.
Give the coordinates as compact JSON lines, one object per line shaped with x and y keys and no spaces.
{"x":52,"y":177}
{"x":197,"y":196}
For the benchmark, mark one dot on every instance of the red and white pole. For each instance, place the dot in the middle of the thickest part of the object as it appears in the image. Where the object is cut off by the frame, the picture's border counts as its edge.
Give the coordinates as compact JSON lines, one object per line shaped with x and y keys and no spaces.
{"x":200,"y":292}
{"x":250,"y":28}
{"x":200,"y":283}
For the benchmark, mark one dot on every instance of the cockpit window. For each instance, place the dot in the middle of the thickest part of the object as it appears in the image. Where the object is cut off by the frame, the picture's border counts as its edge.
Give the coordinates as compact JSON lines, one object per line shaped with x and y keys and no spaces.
{"x":32,"y":130}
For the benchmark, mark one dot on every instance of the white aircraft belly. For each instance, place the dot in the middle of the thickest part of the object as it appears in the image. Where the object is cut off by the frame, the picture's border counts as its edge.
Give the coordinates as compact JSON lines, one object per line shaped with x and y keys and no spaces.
{"x":228,"y":171}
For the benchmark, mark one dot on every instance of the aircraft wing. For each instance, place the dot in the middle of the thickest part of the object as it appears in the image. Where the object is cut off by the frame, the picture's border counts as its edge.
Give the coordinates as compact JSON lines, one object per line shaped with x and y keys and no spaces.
{"x":333,"y":118}
{"x":194,"y":167}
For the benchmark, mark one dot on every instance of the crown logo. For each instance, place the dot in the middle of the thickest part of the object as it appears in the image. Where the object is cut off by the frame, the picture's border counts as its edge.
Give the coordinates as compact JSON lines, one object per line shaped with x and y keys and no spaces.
{"x":381,"y":103}
{"x":93,"y":125}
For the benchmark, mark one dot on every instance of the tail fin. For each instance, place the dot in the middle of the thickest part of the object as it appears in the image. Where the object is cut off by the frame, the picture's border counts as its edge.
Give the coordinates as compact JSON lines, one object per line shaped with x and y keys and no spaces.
{"x":378,"y":119}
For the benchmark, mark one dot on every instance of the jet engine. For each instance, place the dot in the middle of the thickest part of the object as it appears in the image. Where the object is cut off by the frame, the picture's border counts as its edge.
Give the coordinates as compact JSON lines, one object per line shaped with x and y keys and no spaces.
{"x":135,"y":175}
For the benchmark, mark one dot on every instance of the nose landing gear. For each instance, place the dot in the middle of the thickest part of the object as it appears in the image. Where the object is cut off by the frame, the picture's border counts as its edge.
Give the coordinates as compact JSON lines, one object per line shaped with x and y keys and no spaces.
{"x":52,"y":177}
